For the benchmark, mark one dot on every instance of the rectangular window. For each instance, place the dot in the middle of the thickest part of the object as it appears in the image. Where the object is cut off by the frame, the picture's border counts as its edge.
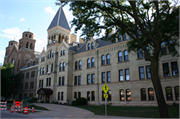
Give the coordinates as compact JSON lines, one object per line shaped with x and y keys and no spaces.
{"x":151,"y":94}
{"x":166,"y":70}
{"x":22,"y":76}
{"x":49,"y":81}
{"x":75,"y":95}
{"x":26,"y":85}
{"x":75,"y":80}
{"x":27,"y":75}
{"x":79,"y":80}
{"x":62,"y":96}
{"x":176,"y":90}
{"x":92,"y":96}
{"x":120,"y":75}
{"x":63,"y":81}
{"x":32,"y":74}
{"x":58,"y":95}
{"x":88,"y":96}
{"x":42,"y":83}
{"x":39,"y":83}
{"x":148,"y":74}
{"x":143,"y":94}
{"x":59,"y":81}
{"x":103,"y":77}
{"x":31,"y":85}
{"x":174,"y":68}
{"x":141,"y":73}
{"x":108,"y":76}
{"x":92,"y":78}
{"x":21,"y":86}
{"x":163,"y":48}
{"x":169,"y":95}
{"x":88,"y":79}
{"x":127,"y":74}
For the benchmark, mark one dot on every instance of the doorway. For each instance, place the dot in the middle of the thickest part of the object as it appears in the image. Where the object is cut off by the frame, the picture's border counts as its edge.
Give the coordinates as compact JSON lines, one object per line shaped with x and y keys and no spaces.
{"x":47,"y":98}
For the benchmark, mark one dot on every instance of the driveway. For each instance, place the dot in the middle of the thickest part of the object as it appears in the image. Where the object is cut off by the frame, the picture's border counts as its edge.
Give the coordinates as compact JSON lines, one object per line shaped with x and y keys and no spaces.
{"x":62,"y":111}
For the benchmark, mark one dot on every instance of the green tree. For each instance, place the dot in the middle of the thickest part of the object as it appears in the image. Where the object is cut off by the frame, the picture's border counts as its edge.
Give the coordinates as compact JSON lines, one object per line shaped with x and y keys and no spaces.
{"x":8,"y":80}
{"x":148,"y":23}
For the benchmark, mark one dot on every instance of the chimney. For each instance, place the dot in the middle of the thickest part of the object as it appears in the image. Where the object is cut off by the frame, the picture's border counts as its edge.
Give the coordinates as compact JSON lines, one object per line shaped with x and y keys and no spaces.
{"x":73,"y":38}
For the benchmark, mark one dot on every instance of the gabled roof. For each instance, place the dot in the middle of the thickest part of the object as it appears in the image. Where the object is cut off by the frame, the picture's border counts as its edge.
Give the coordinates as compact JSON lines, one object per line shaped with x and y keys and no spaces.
{"x":59,"y":20}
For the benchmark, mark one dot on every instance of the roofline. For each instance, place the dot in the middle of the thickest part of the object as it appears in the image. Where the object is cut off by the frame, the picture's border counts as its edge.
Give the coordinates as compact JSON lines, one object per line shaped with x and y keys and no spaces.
{"x":59,"y":26}
{"x":29,"y":67}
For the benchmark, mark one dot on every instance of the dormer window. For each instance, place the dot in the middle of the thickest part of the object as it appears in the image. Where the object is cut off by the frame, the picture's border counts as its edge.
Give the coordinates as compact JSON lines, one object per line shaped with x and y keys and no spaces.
{"x":92,"y":45}
{"x":89,"y":46}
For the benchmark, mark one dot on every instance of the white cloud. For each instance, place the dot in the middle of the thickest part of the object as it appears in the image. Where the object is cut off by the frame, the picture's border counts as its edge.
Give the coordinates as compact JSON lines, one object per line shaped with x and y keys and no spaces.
{"x":50,"y":10}
{"x":22,"y":19}
{"x":2,"y":15}
{"x":38,"y":41}
{"x":2,"y":52}
{"x":12,"y":33}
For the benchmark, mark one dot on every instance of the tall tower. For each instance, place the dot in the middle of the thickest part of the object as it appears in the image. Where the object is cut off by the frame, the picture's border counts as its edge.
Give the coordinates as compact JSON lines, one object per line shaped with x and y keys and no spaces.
{"x":59,"y":29}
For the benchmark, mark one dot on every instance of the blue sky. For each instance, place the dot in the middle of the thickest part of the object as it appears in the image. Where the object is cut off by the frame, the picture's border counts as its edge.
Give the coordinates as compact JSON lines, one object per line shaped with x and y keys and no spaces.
{"x":17,"y":16}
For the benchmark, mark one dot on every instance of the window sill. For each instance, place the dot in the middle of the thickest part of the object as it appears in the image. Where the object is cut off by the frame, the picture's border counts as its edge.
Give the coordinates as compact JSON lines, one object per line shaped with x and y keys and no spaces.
{"x":139,"y":58}
{"x":90,"y":67}
{"x":78,"y":70}
{"x":123,"y":62}
{"x":106,"y":65}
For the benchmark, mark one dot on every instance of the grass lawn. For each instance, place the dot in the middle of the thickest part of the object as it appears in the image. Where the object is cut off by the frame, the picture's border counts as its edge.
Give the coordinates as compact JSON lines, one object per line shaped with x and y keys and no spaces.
{"x":146,"y":112}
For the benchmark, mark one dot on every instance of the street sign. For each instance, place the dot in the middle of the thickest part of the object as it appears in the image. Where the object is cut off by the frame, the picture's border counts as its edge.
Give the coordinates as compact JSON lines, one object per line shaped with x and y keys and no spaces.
{"x":105,"y":95}
{"x":105,"y":88}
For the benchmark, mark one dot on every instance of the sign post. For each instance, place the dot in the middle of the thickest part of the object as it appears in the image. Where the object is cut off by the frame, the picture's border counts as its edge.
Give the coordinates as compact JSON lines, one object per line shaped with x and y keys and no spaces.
{"x":105,"y":89}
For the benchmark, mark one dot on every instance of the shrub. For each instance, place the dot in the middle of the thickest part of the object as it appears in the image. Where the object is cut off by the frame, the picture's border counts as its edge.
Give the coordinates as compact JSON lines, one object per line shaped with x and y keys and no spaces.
{"x":175,"y":104}
{"x":81,"y":101}
{"x":73,"y":102}
{"x":60,"y":103}
{"x":64,"y":103}
{"x":33,"y":99}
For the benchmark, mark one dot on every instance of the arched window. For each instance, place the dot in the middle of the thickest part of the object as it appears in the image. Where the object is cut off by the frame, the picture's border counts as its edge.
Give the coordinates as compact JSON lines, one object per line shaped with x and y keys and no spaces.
{"x":143,"y":94}
{"x":108,"y":59}
{"x":29,"y":36}
{"x":176,"y":90}
{"x":75,"y":95}
{"x":80,"y":64}
{"x":92,"y":62}
{"x":128,"y":95}
{"x":76,"y":65}
{"x":169,"y":95}
{"x":150,"y":94}
{"x":60,"y":67}
{"x":92,"y":95}
{"x":121,"y":93}
{"x":103,"y":60}
{"x":140,"y":55}
{"x":89,"y":46}
{"x":12,"y":61}
{"x":64,"y":66}
{"x":88,"y":96}
{"x":119,"y":56}
{"x":50,"y":53}
{"x":27,"y":45}
{"x":79,"y":94}
{"x":109,"y":95}
{"x":88,"y":63}
{"x":125,"y":55}
{"x":31,"y":46}
{"x":63,"y":52}
{"x":92,"y":45}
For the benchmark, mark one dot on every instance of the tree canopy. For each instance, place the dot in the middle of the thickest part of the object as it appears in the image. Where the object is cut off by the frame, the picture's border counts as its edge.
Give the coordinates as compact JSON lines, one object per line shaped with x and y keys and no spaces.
{"x":148,"y":23}
{"x":8,"y":80}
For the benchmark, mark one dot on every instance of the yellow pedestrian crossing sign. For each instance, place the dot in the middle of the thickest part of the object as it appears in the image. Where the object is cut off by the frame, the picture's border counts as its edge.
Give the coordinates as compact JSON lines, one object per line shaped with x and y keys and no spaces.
{"x":105,"y":95}
{"x":105,"y":88}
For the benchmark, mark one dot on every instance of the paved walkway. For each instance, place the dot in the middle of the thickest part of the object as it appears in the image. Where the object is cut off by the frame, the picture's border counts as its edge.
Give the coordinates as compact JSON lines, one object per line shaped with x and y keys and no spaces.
{"x":62,"y":111}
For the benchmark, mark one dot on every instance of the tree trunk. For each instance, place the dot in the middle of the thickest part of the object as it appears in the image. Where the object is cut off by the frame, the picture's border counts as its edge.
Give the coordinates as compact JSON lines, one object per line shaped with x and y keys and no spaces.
{"x":158,"y":88}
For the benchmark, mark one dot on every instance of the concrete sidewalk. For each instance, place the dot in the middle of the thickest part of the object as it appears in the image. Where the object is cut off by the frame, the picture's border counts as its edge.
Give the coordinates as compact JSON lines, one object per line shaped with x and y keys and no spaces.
{"x":63,"y":111}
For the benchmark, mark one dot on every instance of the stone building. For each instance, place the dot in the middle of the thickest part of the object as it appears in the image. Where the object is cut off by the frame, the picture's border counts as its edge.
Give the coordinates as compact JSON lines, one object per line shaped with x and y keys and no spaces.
{"x":20,"y":53}
{"x":68,"y":71}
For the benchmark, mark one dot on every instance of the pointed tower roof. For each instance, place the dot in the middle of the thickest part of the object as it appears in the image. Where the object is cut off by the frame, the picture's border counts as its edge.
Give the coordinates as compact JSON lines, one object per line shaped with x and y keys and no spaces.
{"x":59,"y":20}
